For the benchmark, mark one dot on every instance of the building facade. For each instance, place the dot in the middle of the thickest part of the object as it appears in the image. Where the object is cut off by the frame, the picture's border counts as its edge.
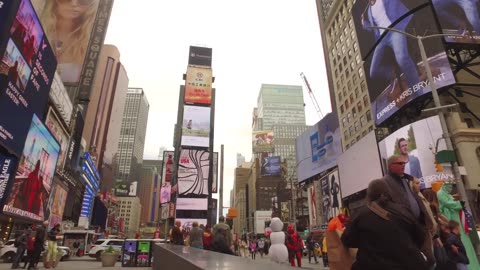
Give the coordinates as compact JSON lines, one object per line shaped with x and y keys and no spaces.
{"x":130,"y":211}
{"x":132,"y":136}
{"x":242,"y":175}
{"x":149,"y":191}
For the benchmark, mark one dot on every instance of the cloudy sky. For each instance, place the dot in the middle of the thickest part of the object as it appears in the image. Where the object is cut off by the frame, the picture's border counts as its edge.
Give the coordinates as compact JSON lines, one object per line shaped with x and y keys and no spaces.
{"x":253,"y":41}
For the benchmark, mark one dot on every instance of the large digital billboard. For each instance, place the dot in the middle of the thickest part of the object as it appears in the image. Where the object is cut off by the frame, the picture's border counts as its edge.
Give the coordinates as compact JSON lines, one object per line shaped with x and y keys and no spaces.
{"x":168,"y":166}
{"x":198,"y":85}
{"x":27,"y":67}
{"x":460,"y":17}
{"x":200,"y":56}
{"x":317,"y":149}
{"x":331,"y":195}
{"x":193,"y":171}
{"x":31,"y":190}
{"x":61,"y":135}
{"x":262,"y":141}
{"x":271,"y":166}
{"x":196,"y":126}
{"x":165,"y":193}
{"x":416,"y":142}
{"x":56,"y":206}
{"x":7,"y":165}
{"x":394,"y":69}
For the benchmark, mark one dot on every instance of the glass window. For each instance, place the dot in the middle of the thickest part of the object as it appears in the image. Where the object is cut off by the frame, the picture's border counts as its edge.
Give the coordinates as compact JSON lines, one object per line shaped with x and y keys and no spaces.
{"x":344,"y":121}
{"x":349,"y":116}
{"x":352,"y":99}
{"x":365,"y":101}
{"x":341,"y":109}
{"x":354,"y":111}
{"x":351,"y":130}
{"x":345,"y":134}
{"x":359,"y":106}
{"x":369,"y":116}
{"x":363,"y":120}
{"x":360,"y":72}
{"x":346,"y":104}
{"x":357,"y":126}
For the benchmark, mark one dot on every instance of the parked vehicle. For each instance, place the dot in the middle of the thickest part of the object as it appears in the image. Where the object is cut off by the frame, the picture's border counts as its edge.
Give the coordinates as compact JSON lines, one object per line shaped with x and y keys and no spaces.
{"x":101,"y":245}
{"x":79,"y":241}
{"x":9,"y":251}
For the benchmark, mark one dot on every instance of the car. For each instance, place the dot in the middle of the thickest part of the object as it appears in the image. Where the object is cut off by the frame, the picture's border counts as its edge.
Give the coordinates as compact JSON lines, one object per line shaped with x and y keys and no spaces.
{"x":100,"y":245}
{"x":9,"y":251}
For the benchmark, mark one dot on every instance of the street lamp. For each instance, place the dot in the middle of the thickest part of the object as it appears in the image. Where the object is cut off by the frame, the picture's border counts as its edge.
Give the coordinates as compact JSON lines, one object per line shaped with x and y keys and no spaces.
{"x":436,"y":100}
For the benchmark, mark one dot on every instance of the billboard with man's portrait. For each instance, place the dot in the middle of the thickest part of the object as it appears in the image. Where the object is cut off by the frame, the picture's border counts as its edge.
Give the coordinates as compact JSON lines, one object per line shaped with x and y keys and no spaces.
{"x":416,"y":142}
{"x":31,"y":189}
{"x":393,"y":65}
{"x":271,"y":166}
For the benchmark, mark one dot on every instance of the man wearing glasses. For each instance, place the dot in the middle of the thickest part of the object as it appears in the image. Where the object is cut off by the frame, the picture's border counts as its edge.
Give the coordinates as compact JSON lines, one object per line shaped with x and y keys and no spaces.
{"x":399,"y":186}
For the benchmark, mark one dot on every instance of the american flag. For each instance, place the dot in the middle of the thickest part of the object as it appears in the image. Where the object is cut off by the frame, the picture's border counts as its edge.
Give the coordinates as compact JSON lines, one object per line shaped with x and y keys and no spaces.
{"x":466,"y":219}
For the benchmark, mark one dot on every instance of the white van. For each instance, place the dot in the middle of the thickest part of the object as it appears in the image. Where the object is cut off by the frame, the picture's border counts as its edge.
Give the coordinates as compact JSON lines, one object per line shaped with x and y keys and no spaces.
{"x":100,"y":245}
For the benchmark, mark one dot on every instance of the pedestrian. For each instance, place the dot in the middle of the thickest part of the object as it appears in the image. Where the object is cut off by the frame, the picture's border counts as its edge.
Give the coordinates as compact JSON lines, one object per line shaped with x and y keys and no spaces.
{"x":261,"y":246}
{"x":221,"y":224}
{"x":40,"y":236}
{"x":311,"y":248}
{"x":455,"y":248}
{"x":21,"y":245}
{"x":386,"y":234}
{"x":243,"y":246}
{"x":196,"y":236}
{"x":220,"y":242}
{"x":76,"y":245}
{"x":51,"y":260}
{"x":207,"y":238}
{"x":293,"y":245}
{"x":324,"y":251}
{"x":252,"y":246}
{"x":176,"y":236}
{"x":30,"y":247}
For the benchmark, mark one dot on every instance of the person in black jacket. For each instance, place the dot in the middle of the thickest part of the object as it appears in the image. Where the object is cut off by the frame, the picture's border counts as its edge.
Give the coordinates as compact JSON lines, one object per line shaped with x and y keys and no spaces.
{"x":386,"y":234}
{"x":220,"y":242}
{"x":38,"y":245}
{"x":453,"y":245}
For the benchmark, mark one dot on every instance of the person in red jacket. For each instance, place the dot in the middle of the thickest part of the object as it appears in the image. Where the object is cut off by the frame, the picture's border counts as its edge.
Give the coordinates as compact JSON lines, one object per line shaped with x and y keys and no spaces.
{"x":294,"y":244}
{"x":207,"y":238}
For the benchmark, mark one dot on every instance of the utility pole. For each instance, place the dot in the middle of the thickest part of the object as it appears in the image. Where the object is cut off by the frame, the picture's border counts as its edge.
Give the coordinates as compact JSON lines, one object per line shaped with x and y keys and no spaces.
{"x":220,"y":197}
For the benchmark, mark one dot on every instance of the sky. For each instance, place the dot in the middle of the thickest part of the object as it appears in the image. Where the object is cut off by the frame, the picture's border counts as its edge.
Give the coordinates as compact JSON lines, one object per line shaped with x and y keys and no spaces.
{"x":254,"y":42}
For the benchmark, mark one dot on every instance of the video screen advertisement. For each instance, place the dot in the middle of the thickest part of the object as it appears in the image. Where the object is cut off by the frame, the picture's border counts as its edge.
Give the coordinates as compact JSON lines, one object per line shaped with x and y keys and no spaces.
{"x":193,"y":172}
{"x":416,"y":142}
{"x":459,"y":18}
{"x":262,"y":141}
{"x":317,"y":149}
{"x":129,"y":252}
{"x":31,"y":189}
{"x":7,"y":174}
{"x":394,"y":70}
{"x":200,"y":56}
{"x":61,"y":135}
{"x":168,"y":166}
{"x":198,"y":85}
{"x":331,"y":195}
{"x":27,"y":68}
{"x":271,"y":166}
{"x":215,"y":172}
{"x":196,"y":126}
{"x":56,"y":205}
{"x":165,"y":193}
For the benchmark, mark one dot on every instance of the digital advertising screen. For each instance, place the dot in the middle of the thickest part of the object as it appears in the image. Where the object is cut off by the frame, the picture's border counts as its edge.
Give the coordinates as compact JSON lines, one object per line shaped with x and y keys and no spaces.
{"x":193,"y":171}
{"x":415,"y":142}
{"x":168,"y":165}
{"x":331,"y":195}
{"x":165,"y":192}
{"x":129,"y":253}
{"x":143,"y":253}
{"x":33,"y":182}
{"x":271,"y":166}
{"x":200,"y":56}
{"x":459,"y":18}
{"x":56,"y":205}
{"x":61,"y":135}
{"x":27,"y":67}
{"x":394,"y":69}
{"x":192,"y":204}
{"x":7,"y":174}
{"x":262,"y":141}
{"x":318,"y":148}
{"x":215,"y":172}
{"x":196,"y":126}
{"x":198,"y":85}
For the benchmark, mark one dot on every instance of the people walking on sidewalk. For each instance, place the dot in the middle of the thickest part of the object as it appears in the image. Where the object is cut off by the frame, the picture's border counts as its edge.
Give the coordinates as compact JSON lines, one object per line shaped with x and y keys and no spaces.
{"x":21,"y":245}
{"x":293,"y":242}
{"x":253,"y":247}
{"x":207,"y":238}
{"x":324,"y":251}
{"x":40,"y":237}
{"x":243,"y":247}
{"x":51,"y":260}
{"x":30,"y":247}
{"x":220,"y":242}
{"x":261,"y":246}
{"x":311,"y":248}
{"x":196,"y":236}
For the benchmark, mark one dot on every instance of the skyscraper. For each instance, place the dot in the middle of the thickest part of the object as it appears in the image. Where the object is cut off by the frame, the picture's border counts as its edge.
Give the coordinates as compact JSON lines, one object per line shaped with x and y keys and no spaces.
{"x":132,"y":136}
{"x":149,"y":190}
{"x":348,"y":87}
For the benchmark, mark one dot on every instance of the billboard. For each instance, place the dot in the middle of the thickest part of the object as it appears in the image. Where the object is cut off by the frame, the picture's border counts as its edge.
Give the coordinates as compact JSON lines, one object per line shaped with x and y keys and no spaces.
{"x":200,"y":56}
{"x":459,"y":18}
{"x":262,"y":141}
{"x":312,"y":206}
{"x":317,"y":149}
{"x":31,"y":190}
{"x":192,"y":204}
{"x":168,"y":166}
{"x":7,"y":165}
{"x":164,"y":211}
{"x":27,"y":67}
{"x":331,"y":195}
{"x":193,"y":171}
{"x":56,"y":205}
{"x":165,"y":192}
{"x":196,"y":126}
{"x":61,"y":100}
{"x":361,"y":157}
{"x":198,"y":85}
{"x":215,"y":172}
{"x":61,"y":135}
{"x":271,"y":166}
{"x":416,"y":142}
{"x":394,"y":69}
{"x":126,"y":189}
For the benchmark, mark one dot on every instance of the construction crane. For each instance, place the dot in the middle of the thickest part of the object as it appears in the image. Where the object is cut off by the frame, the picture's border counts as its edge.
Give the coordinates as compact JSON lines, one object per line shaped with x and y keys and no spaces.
{"x":312,"y":96}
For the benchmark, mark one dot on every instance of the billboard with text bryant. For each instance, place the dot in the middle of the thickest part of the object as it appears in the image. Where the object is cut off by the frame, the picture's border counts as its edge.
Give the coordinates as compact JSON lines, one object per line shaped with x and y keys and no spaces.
{"x":27,"y":67}
{"x":460,"y":17}
{"x":394,"y":70}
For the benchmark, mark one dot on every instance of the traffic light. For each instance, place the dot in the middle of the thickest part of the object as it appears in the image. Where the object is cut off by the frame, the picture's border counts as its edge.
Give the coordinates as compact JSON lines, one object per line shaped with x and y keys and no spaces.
{"x":438,"y":167}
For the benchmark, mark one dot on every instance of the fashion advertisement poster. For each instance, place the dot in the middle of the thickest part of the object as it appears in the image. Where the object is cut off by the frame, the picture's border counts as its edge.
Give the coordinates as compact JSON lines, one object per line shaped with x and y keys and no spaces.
{"x":193,"y":171}
{"x":196,"y":126}
{"x":57,"y":203}
{"x":394,"y":69}
{"x":326,"y":200}
{"x":31,"y":190}
{"x":262,"y":141}
{"x":317,"y":149}
{"x":459,"y":17}
{"x":27,"y":67}
{"x":312,"y":206}
{"x":58,"y":131}
{"x":198,"y":85}
{"x":165,"y":192}
{"x":333,"y":193}
{"x":416,"y":142}
{"x":271,"y":166}
{"x":70,"y":41}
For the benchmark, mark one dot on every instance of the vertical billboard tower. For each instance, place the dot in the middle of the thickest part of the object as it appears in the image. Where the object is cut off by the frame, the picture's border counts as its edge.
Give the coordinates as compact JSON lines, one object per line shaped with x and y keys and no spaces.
{"x":192,"y":181}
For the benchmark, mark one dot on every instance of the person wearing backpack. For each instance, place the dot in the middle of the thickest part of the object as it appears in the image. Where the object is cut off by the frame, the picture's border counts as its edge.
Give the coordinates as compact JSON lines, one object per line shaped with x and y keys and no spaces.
{"x":21,"y":245}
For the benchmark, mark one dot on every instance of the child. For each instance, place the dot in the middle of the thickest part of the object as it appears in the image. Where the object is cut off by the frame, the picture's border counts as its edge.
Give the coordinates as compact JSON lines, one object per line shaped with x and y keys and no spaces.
{"x":454,"y":247}
{"x":253,"y":248}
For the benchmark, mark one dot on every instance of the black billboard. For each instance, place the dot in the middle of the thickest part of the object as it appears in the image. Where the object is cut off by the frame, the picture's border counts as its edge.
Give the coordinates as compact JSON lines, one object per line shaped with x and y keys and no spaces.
{"x":27,"y":67}
{"x":200,"y":56}
{"x":394,"y":69}
{"x":459,"y":17}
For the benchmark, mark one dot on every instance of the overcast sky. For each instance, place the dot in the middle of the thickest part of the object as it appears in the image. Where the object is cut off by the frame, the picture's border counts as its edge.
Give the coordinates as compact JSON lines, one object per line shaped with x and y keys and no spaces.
{"x":253,"y":41}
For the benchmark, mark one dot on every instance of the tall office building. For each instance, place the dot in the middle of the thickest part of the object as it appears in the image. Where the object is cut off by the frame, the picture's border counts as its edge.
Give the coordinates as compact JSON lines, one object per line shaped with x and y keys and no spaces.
{"x":242,"y":174}
{"x":149,"y":191}
{"x":348,"y":88}
{"x":130,"y":209}
{"x":132,"y":136}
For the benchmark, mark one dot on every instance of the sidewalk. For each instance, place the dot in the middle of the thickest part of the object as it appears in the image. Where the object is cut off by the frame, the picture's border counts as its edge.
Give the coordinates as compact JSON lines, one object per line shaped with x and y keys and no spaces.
{"x":305,"y":263}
